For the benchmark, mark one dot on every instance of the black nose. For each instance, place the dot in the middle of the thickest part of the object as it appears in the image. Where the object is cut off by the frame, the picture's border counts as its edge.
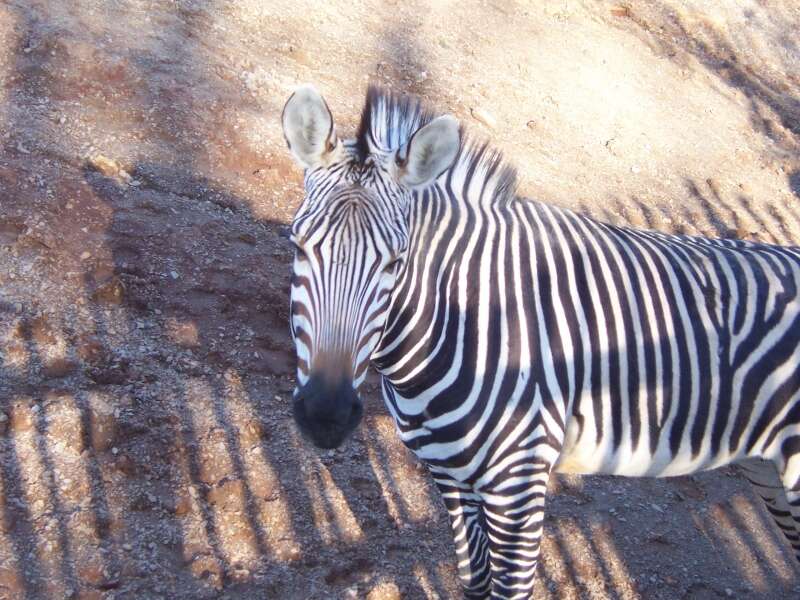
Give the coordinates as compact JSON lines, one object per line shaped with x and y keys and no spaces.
{"x":325,"y":412}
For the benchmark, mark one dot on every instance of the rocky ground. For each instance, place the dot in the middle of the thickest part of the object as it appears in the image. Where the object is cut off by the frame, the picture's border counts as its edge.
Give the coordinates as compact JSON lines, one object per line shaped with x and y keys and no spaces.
{"x":146,"y":444}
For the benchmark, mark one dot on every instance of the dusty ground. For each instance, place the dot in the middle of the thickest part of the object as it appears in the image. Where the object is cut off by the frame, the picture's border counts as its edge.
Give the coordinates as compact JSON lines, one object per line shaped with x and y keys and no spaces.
{"x":146,"y":445}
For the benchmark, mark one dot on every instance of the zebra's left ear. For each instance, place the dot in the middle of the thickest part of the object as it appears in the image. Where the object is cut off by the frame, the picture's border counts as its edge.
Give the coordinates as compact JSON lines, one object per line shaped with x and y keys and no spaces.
{"x":430,"y":151}
{"x":308,"y":127}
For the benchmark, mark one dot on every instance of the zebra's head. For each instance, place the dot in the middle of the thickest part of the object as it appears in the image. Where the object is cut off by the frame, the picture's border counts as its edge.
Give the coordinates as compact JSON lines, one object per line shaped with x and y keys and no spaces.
{"x":351,"y":237}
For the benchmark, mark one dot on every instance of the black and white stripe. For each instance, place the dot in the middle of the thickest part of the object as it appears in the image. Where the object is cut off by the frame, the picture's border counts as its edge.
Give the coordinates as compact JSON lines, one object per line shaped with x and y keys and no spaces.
{"x":517,"y":338}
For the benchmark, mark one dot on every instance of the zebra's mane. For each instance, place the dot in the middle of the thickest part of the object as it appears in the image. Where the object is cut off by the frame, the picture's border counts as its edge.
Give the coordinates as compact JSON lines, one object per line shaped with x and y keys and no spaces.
{"x":389,"y":120}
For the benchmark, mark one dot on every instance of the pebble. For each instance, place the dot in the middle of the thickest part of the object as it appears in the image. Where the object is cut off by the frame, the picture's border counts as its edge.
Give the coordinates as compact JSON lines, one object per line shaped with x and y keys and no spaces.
{"x":385,"y":591}
{"x":484,"y":117}
{"x":620,"y":10}
{"x":105,"y":165}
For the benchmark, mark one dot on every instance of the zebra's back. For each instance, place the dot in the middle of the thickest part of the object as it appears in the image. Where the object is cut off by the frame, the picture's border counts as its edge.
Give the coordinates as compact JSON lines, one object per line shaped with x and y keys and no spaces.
{"x":680,"y":353}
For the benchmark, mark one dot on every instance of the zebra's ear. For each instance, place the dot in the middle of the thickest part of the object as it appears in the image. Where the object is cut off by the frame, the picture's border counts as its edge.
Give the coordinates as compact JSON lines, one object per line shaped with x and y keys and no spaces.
{"x":430,"y":151}
{"x":308,"y":127}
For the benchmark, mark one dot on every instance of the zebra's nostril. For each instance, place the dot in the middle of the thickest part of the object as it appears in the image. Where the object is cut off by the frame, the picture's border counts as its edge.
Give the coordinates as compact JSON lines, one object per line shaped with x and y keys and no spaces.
{"x":327,"y":414}
{"x":322,"y":402}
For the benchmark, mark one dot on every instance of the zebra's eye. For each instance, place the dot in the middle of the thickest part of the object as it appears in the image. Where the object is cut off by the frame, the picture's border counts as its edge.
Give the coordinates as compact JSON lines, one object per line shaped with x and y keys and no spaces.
{"x":392,"y":264}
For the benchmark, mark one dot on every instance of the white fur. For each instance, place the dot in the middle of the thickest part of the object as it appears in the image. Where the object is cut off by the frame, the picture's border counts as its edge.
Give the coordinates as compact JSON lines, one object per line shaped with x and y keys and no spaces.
{"x":308,"y":127}
{"x":429,"y":152}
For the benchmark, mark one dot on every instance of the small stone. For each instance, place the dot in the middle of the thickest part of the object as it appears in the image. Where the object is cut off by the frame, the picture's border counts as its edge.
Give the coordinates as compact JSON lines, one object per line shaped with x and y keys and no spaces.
{"x":620,"y":10}
{"x":102,"y":423}
{"x":385,"y":591}
{"x":484,"y":117}
{"x":107,"y":166}
{"x":173,"y":274}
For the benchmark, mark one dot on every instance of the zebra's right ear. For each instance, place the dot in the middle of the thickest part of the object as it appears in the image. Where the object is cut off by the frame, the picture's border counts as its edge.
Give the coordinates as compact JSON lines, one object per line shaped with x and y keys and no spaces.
{"x":308,"y":127}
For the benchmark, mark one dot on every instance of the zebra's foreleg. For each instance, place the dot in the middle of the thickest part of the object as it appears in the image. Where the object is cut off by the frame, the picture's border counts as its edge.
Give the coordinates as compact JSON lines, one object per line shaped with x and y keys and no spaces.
{"x":472,"y":546}
{"x":514,"y":520}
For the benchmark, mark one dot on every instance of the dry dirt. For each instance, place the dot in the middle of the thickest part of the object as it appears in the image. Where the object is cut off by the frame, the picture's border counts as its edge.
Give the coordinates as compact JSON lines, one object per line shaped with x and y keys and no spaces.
{"x":146,"y":444}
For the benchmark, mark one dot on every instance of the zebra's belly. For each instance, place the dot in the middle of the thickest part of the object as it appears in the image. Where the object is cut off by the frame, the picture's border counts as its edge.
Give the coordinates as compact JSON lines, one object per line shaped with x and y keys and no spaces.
{"x":585,"y":455}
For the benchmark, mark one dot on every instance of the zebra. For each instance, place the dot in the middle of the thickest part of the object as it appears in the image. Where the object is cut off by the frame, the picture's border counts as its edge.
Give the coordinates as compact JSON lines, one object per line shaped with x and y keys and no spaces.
{"x":515,"y":339}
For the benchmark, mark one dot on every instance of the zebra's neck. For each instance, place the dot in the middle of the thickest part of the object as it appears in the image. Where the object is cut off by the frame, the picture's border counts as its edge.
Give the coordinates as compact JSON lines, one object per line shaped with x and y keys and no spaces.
{"x":455,"y":231}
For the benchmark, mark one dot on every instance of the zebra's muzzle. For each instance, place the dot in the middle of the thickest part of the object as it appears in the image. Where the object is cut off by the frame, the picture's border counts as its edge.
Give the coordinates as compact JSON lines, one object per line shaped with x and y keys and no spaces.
{"x":325,"y":413}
